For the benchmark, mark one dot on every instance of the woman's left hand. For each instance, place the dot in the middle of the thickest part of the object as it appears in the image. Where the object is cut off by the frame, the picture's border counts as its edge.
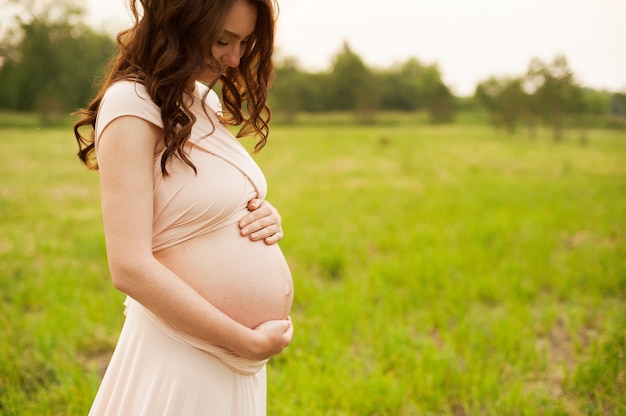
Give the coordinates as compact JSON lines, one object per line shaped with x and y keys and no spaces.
{"x":262,"y":223}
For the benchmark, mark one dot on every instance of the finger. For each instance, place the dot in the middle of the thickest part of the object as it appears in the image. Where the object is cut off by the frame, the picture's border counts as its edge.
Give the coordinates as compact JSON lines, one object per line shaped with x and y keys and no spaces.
{"x":289,"y":332}
{"x":260,"y":229}
{"x":272,"y":231}
{"x":273,"y":239}
{"x":253,"y":216}
{"x":254,"y":204}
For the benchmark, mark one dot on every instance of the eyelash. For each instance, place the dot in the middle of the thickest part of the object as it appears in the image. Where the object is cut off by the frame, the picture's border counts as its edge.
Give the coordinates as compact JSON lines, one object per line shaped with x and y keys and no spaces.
{"x":244,"y":43}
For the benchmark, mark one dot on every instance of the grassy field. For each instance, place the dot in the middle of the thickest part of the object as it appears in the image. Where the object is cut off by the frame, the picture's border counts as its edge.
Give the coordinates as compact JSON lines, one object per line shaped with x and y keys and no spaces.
{"x":439,"y":270}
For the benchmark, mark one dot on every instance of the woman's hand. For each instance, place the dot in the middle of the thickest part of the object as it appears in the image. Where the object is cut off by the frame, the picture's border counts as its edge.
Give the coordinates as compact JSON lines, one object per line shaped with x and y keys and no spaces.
{"x":262,"y":223}
{"x":270,"y":338}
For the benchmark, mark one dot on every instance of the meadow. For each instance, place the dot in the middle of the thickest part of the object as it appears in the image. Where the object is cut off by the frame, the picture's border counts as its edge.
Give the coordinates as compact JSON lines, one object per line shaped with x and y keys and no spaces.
{"x":439,"y":270}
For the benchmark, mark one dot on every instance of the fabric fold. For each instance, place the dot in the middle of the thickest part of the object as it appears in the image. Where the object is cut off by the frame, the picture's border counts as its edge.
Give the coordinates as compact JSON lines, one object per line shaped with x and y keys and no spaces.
{"x":231,"y":360}
{"x":157,"y":371}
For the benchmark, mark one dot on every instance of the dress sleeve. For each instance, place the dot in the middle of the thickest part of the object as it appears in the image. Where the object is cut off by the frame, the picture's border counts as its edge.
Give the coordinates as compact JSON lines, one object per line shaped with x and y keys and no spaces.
{"x":214,"y":102}
{"x":126,"y":98}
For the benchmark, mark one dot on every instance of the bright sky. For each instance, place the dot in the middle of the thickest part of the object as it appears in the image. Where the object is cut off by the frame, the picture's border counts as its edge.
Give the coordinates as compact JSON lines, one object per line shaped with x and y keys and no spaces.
{"x":469,"y":40}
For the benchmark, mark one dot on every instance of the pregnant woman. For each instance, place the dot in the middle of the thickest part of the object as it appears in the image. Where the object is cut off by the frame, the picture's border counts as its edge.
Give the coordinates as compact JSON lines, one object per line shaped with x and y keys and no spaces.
{"x":189,"y":236}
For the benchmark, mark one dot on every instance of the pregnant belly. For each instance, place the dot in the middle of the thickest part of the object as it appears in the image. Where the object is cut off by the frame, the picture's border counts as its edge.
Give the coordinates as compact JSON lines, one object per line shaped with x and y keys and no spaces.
{"x":249,"y":281}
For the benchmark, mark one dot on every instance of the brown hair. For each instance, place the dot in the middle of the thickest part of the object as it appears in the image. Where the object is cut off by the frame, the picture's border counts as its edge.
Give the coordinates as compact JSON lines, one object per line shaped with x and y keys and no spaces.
{"x":169,"y":42}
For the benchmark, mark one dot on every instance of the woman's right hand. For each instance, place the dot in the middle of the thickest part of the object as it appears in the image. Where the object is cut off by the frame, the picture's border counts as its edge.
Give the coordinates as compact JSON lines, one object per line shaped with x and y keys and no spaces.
{"x":270,"y":338}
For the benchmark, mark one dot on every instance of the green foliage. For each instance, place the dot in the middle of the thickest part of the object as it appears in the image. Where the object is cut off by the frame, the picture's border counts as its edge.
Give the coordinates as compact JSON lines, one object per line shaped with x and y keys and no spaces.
{"x":350,"y":86}
{"x":297,"y":92}
{"x":413,"y":87}
{"x":504,"y":98}
{"x":441,"y":105}
{"x":57,"y":303}
{"x":548,"y":93}
{"x":349,"y":82}
{"x":403,"y":88}
{"x":51,"y":60}
{"x":600,"y":379}
{"x":438,"y":270}
{"x":618,"y":105}
{"x":556,"y":92}
{"x":52,"y":63}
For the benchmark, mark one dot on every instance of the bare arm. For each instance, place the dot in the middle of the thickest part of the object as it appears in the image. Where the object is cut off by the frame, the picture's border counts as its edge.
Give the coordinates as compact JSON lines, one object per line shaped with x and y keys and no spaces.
{"x":126,"y":169}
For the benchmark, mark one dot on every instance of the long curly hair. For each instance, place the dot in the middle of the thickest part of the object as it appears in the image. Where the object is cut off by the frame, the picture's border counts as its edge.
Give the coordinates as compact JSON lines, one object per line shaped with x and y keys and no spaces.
{"x":169,"y":41}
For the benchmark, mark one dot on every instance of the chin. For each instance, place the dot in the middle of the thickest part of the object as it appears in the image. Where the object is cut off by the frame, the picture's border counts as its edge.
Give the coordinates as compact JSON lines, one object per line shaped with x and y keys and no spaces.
{"x":208,"y":77}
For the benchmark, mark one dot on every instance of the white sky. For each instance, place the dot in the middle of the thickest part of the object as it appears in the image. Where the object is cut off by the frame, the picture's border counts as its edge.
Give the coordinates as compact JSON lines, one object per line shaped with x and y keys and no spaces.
{"x":469,"y":40}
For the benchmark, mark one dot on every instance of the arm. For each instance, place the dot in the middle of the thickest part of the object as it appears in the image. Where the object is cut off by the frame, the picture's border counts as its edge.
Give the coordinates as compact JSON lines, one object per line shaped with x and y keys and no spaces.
{"x":126,"y":170}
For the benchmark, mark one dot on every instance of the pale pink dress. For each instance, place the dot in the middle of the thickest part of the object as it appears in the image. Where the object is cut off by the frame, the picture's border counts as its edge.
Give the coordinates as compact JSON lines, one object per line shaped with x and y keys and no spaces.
{"x":155,"y":369}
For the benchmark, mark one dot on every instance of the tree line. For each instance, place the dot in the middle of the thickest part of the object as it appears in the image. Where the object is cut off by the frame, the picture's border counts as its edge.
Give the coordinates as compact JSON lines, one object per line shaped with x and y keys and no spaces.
{"x":351,"y":86}
{"x":50,"y":59}
{"x":50,"y":63}
{"x":549,"y":94}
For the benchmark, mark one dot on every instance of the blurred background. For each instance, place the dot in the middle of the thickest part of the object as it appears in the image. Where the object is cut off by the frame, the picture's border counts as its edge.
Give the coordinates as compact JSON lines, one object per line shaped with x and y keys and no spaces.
{"x":469,"y":41}
{"x":533,"y":61}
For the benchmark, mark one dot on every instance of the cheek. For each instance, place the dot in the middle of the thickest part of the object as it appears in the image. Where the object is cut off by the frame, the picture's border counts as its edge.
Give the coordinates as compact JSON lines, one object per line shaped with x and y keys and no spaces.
{"x":217,"y":52}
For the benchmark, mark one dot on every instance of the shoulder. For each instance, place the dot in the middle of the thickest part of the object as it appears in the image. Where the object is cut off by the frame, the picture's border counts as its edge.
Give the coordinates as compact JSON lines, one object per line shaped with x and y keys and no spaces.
{"x":127,"y":98}
{"x":210,"y":97}
{"x":125,"y":92}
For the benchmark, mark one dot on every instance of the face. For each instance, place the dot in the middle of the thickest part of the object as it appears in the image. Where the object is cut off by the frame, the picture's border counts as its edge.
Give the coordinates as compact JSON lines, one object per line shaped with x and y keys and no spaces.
{"x":231,"y":45}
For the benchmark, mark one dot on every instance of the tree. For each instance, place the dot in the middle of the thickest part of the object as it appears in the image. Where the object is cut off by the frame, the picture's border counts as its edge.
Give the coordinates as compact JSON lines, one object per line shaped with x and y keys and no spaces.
{"x":351,"y":85}
{"x":412,"y":86}
{"x":618,"y":105}
{"x":504,"y":99}
{"x":295,"y":90}
{"x":50,"y":58}
{"x":587,"y":106}
{"x":441,"y":105}
{"x":401,"y":88}
{"x":555,"y":91}
{"x":286,"y":95}
{"x":433,"y":94}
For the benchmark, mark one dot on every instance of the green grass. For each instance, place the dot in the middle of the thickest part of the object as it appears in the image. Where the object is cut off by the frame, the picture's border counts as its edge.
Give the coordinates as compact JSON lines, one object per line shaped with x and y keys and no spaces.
{"x":439,"y":270}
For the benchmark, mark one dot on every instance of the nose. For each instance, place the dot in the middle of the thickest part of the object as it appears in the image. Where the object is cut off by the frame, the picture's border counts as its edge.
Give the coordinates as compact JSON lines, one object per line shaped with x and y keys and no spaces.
{"x":231,"y":58}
